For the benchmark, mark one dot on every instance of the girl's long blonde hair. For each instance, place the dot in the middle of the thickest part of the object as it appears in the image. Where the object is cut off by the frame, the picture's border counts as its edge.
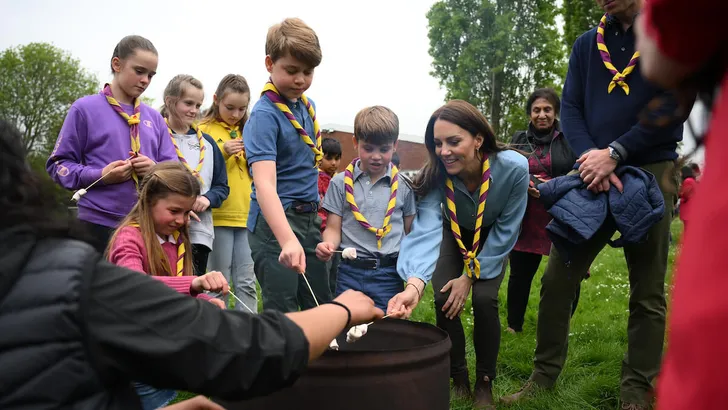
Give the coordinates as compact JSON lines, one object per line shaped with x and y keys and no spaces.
{"x":165,"y":178}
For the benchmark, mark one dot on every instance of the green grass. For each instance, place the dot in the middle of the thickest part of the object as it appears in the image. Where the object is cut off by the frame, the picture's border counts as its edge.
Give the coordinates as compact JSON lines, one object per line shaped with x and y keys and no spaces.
{"x":598,"y":339}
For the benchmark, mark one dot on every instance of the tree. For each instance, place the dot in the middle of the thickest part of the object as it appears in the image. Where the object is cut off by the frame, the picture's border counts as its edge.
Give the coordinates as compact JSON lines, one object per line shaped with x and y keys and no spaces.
{"x":493,"y":53}
{"x":39,"y":84}
{"x":579,"y":16}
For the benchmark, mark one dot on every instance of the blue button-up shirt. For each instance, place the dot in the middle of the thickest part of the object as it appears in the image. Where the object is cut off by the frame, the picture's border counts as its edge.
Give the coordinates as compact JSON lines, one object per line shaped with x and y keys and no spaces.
{"x":504,"y":210}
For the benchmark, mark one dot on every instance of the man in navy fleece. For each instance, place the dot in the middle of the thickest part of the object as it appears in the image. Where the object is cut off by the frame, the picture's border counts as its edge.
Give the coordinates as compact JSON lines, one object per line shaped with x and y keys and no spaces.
{"x":603,"y":95}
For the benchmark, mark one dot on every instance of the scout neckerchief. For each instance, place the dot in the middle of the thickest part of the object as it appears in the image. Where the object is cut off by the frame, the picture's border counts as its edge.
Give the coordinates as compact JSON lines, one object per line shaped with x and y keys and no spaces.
{"x":132,"y":120}
{"x":234,"y":134}
{"x":349,"y":187}
{"x":472,"y":265}
{"x":619,"y":78}
{"x":180,"y":250}
{"x":271,"y":92}
{"x":181,"y":157}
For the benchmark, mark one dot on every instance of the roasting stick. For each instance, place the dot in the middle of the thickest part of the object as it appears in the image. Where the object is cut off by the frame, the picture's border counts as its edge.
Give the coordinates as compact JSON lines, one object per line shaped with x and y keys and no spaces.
{"x":241,"y":302}
{"x":309,"y":288}
{"x":81,"y":192}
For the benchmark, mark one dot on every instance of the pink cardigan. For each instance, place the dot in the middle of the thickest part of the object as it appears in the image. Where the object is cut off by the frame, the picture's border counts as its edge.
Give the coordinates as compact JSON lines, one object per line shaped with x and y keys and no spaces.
{"x":128,"y":251}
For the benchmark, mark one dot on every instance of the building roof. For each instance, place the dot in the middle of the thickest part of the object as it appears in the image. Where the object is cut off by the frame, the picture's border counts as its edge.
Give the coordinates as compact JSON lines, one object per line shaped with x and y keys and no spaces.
{"x":417,"y":139}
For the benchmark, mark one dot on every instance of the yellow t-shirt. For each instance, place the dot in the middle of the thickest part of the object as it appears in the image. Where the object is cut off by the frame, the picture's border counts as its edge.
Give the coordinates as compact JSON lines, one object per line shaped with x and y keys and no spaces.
{"x":234,"y":211}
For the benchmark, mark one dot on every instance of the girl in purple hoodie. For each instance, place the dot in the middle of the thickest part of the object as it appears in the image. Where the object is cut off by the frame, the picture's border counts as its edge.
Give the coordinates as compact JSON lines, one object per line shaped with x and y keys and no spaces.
{"x":113,"y":138}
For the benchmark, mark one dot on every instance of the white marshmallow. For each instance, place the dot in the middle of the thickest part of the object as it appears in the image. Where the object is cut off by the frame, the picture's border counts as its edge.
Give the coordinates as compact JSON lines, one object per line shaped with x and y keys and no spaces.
{"x":356,"y":333}
{"x":334,"y":345}
{"x":78,"y":194}
{"x":348,"y":253}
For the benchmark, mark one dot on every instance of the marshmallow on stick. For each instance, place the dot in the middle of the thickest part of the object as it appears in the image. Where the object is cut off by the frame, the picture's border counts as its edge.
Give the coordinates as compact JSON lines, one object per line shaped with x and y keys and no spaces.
{"x":334,"y":345}
{"x":356,"y":333}
{"x":348,"y":253}
{"x":78,"y":194}
{"x":81,"y":192}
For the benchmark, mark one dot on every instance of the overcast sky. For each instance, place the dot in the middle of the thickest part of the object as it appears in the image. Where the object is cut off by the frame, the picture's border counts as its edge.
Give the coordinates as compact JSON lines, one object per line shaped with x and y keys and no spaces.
{"x":374,"y":52}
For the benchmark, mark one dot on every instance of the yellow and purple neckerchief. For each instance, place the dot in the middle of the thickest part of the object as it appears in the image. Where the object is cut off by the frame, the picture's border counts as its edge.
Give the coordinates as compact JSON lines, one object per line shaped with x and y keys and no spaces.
{"x":472,"y":265}
{"x":349,"y":188}
{"x":181,"y":157}
{"x":133,"y":121}
{"x":272,"y":93}
{"x":620,"y":78}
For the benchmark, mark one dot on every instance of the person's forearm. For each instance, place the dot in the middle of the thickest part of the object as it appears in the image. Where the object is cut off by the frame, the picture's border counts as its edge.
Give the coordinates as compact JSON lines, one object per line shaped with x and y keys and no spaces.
{"x":418,"y":283}
{"x":333,"y":236}
{"x":273,"y":212}
{"x":321,"y":325}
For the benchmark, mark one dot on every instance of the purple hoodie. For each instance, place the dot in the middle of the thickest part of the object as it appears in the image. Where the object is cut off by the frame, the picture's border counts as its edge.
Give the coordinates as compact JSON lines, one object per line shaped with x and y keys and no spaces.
{"x":94,"y":135}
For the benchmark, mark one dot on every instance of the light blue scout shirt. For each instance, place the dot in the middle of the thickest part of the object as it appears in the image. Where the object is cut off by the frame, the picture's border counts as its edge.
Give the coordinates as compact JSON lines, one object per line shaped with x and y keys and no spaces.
{"x":372,"y":200}
{"x":269,"y":136}
{"x":504,"y":210}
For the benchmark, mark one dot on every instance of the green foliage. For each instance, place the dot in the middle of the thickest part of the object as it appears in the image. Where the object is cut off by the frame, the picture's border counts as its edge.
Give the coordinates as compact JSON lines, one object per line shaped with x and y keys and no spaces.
{"x":494,"y":53}
{"x":579,"y":16}
{"x":39,"y":84}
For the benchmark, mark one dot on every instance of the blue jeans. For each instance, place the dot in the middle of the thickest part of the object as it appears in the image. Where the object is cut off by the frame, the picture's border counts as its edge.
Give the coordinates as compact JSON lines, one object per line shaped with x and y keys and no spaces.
{"x":231,"y":256}
{"x":153,"y":398}
{"x":379,"y":284}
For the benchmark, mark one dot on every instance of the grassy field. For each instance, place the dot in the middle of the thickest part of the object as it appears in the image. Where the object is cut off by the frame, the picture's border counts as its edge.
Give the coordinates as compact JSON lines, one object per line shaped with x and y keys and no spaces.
{"x":598,"y":340}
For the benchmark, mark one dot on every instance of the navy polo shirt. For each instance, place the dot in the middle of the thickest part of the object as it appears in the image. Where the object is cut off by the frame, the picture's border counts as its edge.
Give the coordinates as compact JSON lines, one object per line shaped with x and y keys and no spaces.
{"x":591,"y":117}
{"x":269,"y":136}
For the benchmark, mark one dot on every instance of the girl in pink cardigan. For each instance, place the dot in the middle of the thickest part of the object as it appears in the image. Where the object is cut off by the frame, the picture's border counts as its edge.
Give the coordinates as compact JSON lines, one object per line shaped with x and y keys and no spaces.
{"x":154,"y":239}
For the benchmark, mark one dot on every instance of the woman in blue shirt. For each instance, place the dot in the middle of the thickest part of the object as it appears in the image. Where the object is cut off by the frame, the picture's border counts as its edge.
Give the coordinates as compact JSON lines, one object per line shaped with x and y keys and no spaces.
{"x":473,"y":194}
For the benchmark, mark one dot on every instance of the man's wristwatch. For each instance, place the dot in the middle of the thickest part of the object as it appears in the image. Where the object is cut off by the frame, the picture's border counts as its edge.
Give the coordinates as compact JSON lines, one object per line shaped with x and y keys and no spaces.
{"x":614,"y":154}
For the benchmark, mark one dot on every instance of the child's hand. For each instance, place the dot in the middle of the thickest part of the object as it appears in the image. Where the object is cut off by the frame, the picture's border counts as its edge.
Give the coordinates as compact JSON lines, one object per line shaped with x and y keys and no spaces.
{"x":293,"y":256}
{"x":324,"y":251}
{"x":217,"y":302}
{"x":212,"y":281}
{"x":117,"y":172}
{"x":201,"y":204}
{"x":192,"y":215}
{"x":142,"y":164}
{"x":233,"y":146}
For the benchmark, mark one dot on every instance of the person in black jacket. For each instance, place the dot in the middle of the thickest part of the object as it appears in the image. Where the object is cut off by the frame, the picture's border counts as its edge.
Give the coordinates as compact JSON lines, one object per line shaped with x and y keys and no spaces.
{"x":76,"y":330}
{"x":549,"y":156}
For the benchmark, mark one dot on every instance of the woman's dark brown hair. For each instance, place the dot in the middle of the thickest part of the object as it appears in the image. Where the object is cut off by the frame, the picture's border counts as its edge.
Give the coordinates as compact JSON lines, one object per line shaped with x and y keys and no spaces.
{"x":466,"y":116}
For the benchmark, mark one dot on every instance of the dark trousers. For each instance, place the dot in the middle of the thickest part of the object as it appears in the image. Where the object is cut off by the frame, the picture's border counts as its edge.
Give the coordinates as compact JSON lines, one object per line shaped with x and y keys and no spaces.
{"x":200,"y":254}
{"x":333,"y":267}
{"x":486,"y":328}
{"x":99,"y":234}
{"x":283,"y":289}
{"x":524,"y":266}
{"x":647,"y":265}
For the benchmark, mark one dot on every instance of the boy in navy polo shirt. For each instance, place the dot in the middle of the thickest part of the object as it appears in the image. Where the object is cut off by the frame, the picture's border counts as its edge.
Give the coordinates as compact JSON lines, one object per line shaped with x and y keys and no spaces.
{"x":283,"y":147}
{"x":371,"y":209}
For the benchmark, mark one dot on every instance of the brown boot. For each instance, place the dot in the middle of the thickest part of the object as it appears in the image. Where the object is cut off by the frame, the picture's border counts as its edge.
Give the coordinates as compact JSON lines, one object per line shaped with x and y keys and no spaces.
{"x":461,"y":386}
{"x":526,"y":391}
{"x":483,"y":394}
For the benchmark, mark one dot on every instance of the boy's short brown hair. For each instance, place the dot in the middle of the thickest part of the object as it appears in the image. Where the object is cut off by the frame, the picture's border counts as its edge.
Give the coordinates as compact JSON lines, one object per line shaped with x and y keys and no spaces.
{"x":292,"y":36}
{"x":376,"y":125}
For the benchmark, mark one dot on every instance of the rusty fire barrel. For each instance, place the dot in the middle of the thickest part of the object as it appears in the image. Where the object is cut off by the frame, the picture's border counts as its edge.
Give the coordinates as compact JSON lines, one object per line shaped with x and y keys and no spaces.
{"x":398,"y":364}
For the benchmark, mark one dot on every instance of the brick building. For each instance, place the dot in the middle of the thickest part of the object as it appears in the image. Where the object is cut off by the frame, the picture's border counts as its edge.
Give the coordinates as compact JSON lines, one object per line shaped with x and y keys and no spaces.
{"x":411,"y":148}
